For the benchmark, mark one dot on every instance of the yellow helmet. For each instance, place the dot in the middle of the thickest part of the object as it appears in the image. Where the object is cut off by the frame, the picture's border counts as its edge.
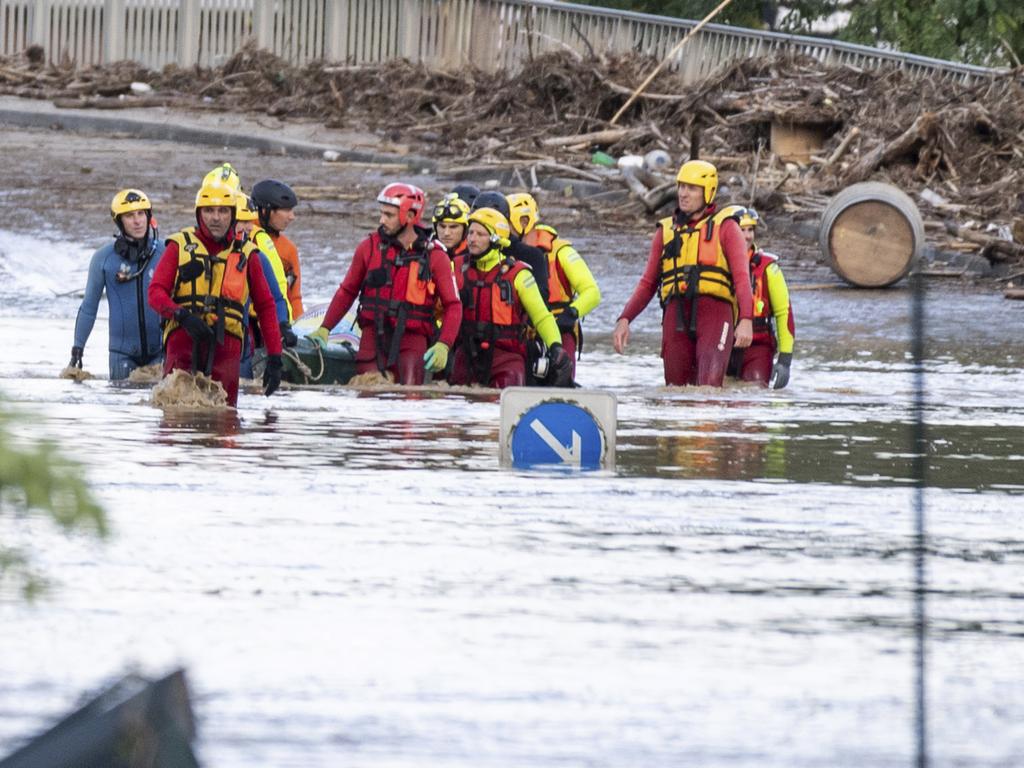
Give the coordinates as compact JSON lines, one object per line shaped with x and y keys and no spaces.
{"x":244,"y":210}
{"x":452,"y":209}
{"x":223,"y":174}
{"x":732,"y":212}
{"x":700,"y":173}
{"x":522,"y":205}
{"x":212,"y":195}
{"x":495,"y":223}
{"x":749,"y":218}
{"x":129,"y":200}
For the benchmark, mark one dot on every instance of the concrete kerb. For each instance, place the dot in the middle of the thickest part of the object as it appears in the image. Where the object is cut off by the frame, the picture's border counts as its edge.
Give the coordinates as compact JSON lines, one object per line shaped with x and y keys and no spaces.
{"x":165,"y":131}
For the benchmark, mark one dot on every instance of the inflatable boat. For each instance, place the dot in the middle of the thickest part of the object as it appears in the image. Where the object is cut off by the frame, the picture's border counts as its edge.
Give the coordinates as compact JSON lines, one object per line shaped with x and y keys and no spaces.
{"x":307,"y":363}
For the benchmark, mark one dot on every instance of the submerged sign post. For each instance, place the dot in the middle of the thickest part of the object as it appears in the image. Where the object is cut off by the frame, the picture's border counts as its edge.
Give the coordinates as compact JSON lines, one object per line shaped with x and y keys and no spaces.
{"x":573,"y":428}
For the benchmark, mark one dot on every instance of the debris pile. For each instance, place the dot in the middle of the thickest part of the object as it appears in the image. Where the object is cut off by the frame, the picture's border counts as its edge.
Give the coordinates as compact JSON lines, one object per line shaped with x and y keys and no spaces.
{"x":957,"y":149}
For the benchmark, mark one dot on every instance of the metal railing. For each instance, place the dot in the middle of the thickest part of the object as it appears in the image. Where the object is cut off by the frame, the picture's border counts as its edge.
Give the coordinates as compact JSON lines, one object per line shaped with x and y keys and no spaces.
{"x":488,"y":34}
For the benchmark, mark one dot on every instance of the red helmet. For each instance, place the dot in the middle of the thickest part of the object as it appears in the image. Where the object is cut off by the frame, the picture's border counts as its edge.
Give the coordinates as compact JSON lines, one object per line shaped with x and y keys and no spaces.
{"x":408,"y":199}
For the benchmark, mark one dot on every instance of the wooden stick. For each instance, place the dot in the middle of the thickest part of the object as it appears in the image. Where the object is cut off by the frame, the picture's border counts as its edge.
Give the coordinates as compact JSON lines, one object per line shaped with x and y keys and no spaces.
{"x":753,"y":174}
{"x":843,"y":146}
{"x":673,"y":52}
{"x":609,"y":136}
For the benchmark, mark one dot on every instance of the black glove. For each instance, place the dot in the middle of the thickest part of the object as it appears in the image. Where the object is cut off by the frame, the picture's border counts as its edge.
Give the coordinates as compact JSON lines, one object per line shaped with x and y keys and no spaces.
{"x":288,"y":337}
{"x":560,"y":373}
{"x":194,"y":324}
{"x":272,"y":375}
{"x":567,"y":320}
{"x":780,"y":373}
{"x":76,"y":357}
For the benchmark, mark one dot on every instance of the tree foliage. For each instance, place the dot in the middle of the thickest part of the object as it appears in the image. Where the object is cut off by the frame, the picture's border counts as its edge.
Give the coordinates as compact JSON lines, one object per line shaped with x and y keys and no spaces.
{"x":35,"y":477}
{"x":985,"y":32}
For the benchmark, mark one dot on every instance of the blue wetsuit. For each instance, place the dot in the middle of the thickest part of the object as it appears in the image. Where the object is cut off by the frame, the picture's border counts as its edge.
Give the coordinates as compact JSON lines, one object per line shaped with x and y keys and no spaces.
{"x":245,"y":368}
{"x":135,"y":334}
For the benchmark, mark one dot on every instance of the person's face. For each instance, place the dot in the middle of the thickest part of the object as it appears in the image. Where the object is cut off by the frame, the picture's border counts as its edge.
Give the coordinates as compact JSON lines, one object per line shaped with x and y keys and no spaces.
{"x":691,"y":198}
{"x":524,"y":222}
{"x":246,"y":227}
{"x":478,"y":239}
{"x":748,"y":236}
{"x":450,"y":233}
{"x":217,"y":219}
{"x":389,"y":219}
{"x":280,"y":218}
{"x":135,"y":224}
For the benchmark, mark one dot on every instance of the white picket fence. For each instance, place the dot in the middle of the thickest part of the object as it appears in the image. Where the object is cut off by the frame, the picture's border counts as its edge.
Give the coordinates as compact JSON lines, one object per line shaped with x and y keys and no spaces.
{"x":488,"y":34}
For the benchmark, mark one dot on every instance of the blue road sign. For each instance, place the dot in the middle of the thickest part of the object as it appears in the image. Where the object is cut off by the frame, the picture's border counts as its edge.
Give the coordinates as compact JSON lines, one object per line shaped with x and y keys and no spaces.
{"x":557,"y":433}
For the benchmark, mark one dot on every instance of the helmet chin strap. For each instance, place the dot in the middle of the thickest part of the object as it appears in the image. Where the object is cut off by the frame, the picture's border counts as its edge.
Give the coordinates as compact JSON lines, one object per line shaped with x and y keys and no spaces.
{"x":264,"y":217}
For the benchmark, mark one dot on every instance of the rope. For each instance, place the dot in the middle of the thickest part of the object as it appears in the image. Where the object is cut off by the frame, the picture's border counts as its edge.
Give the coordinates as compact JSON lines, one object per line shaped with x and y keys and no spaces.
{"x":304,"y":369}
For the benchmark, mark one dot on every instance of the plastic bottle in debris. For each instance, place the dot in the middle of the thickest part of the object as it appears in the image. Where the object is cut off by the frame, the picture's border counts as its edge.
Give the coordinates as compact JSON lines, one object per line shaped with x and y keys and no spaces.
{"x":631,"y":161}
{"x":657,"y":161}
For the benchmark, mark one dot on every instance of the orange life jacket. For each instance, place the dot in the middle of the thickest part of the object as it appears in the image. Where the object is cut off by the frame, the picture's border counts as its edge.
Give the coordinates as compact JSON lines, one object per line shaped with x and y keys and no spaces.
{"x":764,"y":331}
{"x":290,"y":261}
{"x":559,"y":294}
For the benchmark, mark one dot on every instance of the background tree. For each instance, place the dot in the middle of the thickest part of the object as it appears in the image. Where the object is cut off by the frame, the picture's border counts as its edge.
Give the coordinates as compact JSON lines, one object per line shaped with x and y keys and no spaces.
{"x":985,"y":32}
{"x":35,"y":477}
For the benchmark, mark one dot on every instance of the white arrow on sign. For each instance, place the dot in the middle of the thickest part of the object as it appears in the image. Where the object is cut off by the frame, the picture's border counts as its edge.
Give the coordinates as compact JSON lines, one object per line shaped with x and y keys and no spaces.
{"x":567,"y":455}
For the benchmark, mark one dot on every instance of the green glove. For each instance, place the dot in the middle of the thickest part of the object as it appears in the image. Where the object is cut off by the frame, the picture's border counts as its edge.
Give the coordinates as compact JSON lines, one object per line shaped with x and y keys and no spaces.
{"x":436,"y":358}
{"x":319,"y":337}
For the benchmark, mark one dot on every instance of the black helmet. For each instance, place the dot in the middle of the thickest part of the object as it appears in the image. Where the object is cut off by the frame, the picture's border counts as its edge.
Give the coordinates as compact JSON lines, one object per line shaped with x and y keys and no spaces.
{"x":271,"y":193}
{"x":492,"y":199}
{"x":467,"y":192}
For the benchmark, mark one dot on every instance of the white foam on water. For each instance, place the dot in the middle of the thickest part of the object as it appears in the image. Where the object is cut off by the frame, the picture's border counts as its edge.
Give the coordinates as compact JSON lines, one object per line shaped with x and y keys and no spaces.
{"x":43,"y":275}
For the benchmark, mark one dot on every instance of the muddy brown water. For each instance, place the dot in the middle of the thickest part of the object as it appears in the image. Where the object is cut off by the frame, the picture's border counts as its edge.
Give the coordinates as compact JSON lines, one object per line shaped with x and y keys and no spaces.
{"x":350,"y":578}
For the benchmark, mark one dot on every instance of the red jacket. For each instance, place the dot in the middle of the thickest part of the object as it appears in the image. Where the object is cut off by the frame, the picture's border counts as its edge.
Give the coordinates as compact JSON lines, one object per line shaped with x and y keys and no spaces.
{"x":161,"y":289}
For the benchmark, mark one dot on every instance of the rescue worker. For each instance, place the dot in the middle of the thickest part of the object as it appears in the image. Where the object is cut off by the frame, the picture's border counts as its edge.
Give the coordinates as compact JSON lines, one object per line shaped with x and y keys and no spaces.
{"x":246,"y":217}
{"x":451,"y":220}
{"x":249,"y":228}
{"x":517,"y":249}
{"x":123,"y":268}
{"x":572,"y":291}
{"x":467,"y":192}
{"x":226,"y":175}
{"x":698,"y":267}
{"x":398,"y":273}
{"x":773,"y":315}
{"x":201,"y":286}
{"x":499,"y":296}
{"x":275,"y":202}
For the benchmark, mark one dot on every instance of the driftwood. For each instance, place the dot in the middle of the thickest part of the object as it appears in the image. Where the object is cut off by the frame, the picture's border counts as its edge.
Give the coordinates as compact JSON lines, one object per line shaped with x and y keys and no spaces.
{"x":963,"y":144}
{"x":610,"y":136}
{"x":920,"y":130}
{"x":104,"y":102}
{"x":993,"y":248}
{"x":840,"y":150}
{"x":668,"y":57}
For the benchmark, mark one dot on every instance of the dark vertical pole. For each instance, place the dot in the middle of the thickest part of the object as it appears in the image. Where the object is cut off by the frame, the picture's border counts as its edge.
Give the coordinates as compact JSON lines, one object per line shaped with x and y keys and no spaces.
{"x":920,"y":471}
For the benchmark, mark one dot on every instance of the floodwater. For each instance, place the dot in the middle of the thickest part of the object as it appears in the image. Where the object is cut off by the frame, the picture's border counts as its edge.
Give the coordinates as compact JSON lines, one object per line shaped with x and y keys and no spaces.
{"x":350,"y":578}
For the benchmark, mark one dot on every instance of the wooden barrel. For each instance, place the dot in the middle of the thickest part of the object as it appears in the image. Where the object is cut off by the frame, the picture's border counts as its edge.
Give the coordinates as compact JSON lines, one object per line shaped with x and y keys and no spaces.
{"x":871,"y":234}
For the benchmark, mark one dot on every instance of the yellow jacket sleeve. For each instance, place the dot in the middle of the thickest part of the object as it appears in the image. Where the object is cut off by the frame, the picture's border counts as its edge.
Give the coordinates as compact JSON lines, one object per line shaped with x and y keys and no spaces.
{"x":266,"y":245}
{"x":536,"y":309}
{"x":778,"y":294}
{"x":584,"y":286}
